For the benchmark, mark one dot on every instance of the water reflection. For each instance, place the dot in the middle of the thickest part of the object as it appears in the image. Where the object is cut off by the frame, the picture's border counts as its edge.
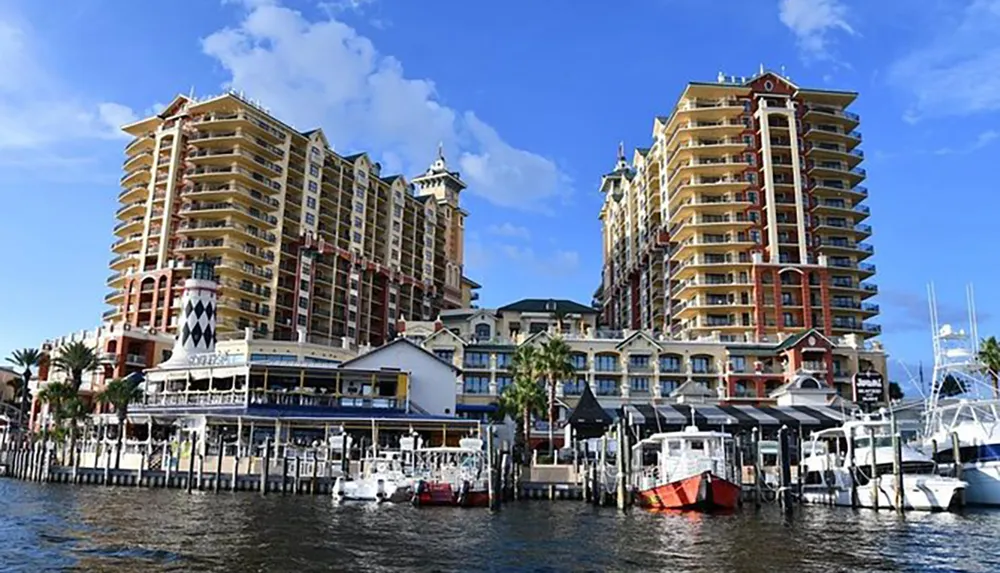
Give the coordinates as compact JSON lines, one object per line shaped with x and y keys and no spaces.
{"x":50,"y":528}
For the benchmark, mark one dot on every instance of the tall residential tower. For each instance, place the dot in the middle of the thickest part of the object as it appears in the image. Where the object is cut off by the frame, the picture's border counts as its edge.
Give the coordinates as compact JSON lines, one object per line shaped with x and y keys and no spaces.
{"x":743,"y":219}
{"x":302,"y":238}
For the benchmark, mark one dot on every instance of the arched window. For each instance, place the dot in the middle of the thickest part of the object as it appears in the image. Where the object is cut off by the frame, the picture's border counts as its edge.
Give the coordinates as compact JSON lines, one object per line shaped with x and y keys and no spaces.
{"x":484,"y":331}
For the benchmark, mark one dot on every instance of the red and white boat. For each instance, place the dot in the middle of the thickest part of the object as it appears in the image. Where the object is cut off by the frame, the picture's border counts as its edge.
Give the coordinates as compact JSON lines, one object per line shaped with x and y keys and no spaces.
{"x":450,"y":476}
{"x":687,"y":470}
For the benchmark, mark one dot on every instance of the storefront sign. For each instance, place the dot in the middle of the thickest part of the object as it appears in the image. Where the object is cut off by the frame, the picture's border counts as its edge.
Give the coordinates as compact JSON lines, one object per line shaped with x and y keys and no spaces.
{"x":869,"y":389}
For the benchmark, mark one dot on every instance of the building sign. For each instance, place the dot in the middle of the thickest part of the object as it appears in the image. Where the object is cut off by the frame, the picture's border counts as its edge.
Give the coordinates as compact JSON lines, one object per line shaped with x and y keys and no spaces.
{"x":869,"y":389}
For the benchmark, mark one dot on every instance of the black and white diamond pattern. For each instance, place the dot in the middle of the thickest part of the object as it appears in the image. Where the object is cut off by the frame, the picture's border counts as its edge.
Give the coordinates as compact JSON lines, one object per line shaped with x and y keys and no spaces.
{"x":198,"y":330}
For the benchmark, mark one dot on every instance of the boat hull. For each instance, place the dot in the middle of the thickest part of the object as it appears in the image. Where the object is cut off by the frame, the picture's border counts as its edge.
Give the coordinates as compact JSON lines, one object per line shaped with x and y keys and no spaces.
{"x":703,"y":492}
{"x":984,"y":483}
{"x":371,"y":491}
{"x":444,"y":495}
{"x":920,"y":493}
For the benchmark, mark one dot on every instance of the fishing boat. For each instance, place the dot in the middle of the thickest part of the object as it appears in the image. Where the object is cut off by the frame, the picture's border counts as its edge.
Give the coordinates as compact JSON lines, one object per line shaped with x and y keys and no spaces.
{"x":687,"y":470}
{"x":970,"y":429}
{"x":962,"y":409}
{"x":451,"y":476}
{"x":853,"y":466}
{"x":383,"y":479}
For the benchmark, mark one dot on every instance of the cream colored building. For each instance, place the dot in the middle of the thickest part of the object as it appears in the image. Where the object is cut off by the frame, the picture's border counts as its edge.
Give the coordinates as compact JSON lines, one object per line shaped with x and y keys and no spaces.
{"x":302,"y":237}
{"x":633,"y":367}
{"x":744,"y":219}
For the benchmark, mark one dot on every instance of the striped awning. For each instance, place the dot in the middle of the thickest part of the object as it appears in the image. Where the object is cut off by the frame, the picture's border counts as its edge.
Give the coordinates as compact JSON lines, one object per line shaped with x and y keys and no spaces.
{"x":676,"y":416}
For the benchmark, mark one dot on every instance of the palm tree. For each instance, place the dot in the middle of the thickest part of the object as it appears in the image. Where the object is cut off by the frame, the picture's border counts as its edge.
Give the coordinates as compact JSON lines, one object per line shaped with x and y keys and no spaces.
{"x":524,"y":396}
{"x":58,"y":396}
{"x":74,"y":359}
{"x":555,"y":365}
{"x":989,"y":355}
{"x":119,"y":393}
{"x":26,"y":359}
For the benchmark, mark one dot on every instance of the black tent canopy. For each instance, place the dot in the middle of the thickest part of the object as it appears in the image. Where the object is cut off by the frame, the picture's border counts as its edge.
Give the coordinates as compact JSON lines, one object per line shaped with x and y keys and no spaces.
{"x":588,"y":419}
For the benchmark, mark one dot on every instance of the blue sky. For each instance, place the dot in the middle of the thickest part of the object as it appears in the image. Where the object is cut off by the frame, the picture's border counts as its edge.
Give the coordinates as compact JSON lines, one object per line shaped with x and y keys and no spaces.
{"x":530,"y":99}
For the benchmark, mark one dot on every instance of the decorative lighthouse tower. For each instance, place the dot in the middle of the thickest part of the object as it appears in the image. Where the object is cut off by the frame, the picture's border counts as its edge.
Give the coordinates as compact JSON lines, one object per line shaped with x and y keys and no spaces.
{"x":196,"y":329}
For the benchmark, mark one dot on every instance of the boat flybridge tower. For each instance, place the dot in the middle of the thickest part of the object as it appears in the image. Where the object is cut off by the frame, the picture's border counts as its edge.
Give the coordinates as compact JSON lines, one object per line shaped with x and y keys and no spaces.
{"x":958,"y":372}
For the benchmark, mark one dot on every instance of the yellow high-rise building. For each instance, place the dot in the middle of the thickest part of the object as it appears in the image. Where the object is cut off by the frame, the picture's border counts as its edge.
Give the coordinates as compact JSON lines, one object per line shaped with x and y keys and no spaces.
{"x":303,"y":239}
{"x":743,"y":219}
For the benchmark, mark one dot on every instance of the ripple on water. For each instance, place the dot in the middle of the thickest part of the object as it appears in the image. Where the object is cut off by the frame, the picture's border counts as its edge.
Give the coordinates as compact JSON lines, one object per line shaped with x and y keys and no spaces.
{"x":55,"y":528}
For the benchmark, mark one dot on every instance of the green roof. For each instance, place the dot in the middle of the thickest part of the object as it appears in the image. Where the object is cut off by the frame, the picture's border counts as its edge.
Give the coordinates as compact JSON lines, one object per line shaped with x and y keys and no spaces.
{"x":547,"y":305}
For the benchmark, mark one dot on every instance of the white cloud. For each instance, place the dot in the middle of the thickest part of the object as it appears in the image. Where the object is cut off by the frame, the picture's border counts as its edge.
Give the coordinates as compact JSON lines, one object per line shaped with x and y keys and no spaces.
{"x":510,"y":230}
{"x":982,"y":140}
{"x":35,"y":109}
{"x":955,"y":73}
{"x":323,"y":73}
{"x":812,"y":22}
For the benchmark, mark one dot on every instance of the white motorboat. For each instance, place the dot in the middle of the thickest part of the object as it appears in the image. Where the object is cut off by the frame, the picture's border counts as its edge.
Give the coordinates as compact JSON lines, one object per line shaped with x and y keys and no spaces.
{"x":838,"y":471}
{"x":384,"y":479}
{"x":975,"y":425}
{"x":963,"y":409}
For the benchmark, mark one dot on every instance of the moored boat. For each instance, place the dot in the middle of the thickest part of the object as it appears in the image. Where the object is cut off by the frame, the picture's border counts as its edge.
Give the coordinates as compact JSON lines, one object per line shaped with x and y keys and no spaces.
{"x":853,"y":466}
{"x":384,"y":480}
{"x":451,"y":476}
{"x":687,"y":470}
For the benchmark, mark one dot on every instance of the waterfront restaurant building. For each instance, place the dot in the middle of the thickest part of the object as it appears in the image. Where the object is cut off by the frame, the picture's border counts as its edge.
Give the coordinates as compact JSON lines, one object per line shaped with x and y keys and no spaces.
{"x":289,"y":398}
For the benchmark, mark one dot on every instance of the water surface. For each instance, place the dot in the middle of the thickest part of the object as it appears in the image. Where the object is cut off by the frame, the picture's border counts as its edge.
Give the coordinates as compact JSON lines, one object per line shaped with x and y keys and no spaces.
{"x":47,"y":527}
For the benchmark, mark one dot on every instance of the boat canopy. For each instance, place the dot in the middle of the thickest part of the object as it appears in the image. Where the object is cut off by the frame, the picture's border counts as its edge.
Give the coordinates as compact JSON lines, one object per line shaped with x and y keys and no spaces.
{"x":732,"y":418}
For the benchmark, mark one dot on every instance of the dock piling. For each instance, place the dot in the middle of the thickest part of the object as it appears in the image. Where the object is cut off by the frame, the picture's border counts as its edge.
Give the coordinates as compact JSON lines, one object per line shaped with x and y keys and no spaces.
{"x":956,"y":452}
{"x":873,"y":466}
{"x":265,"y":467}
{"x":218,"y":465}
{"x":190,"y":468}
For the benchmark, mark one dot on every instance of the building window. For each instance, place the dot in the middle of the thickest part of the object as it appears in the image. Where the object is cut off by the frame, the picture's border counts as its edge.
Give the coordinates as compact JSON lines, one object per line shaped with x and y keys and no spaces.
{"x":638,"y":361}
{"x":504,"y":359}
{"x":446,"y":355}
{"x":502,"y":383}
{"x":639,"y":384}
{"x":314,"y":151}
{"x":579,"y":361}
{"x":313,"y":170}
{"x":310,"y":219}
{"x":670,"y":364}
{"x":536,"y":327}
{"x":477,"y":360}
{"x":357,"y":237}
{"x":477,"y":385}
{"x":313,"y":186}
{"x":358,"y":222}
{"x":606,"y":363}
{"x":700,"y":365}
{"x":607,"y":387}
{"x":311,"y":202}
{"x":574,"y":387}
{"x":484,"y":332}
{"x":397,"y":210}
{"x":667,"y":387}
{"x":359,"y":207}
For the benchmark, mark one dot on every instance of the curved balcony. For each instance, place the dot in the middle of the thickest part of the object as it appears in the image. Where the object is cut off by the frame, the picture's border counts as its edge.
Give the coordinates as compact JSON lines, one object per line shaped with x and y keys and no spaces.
{"x":143,"y":160}
{"x":133,"y":193}
{"x":131,"y":210}
{"x":122,"y":262}
{"x":130,"y":225}
{"x":135,"y":176}
{"x":822,"y":113}
{"x":125,"y":243}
